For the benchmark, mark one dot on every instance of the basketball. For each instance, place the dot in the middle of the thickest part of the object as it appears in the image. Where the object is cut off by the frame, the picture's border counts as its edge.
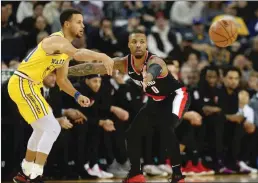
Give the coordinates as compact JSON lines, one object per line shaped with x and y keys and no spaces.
{"x":223,"y":32}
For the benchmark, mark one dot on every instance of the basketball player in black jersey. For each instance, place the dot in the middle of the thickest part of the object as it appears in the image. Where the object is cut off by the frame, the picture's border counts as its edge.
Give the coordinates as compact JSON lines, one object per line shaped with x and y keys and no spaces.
{"x":168,"y":101}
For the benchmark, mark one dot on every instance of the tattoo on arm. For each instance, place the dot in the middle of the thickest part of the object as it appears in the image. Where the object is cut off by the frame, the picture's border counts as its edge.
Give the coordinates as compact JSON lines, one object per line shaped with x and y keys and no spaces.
{"x":96,"y":67}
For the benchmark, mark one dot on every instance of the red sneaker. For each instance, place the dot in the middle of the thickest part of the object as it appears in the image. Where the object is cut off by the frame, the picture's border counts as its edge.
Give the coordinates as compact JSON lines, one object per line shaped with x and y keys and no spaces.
{"x":21,"y":178}
{"x":136,"y":179}
{"x":190,"y":169}
{"x":202,"y":168}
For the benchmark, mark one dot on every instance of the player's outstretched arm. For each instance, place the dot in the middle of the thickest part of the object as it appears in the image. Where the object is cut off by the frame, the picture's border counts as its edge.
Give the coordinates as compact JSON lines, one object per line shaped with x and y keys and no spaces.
{"x":65,"y":85}
{"x":58,"y":44}
{"x":88,"y":68}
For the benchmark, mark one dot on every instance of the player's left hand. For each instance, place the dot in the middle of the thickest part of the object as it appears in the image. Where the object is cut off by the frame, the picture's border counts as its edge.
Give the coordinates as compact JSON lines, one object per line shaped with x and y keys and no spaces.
{"x":120,"y":113}
{"x":249,"y":127}
{"x":147,"y":77}
{"x":83,"y":101}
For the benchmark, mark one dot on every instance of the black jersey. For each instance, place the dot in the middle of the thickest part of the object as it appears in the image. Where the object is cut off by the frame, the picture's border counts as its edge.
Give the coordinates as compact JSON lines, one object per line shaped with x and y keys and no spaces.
{"x":159,"y":88}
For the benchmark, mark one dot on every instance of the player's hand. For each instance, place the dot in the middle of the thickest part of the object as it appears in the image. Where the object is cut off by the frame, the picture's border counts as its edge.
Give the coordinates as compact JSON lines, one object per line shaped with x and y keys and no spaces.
{"x":235,"y":118}
{"x":208,"y":110}
{"x":83,"y":101}
{"x":107,"y":125}
{"x":79,"y":121}
{"x":65,"y":123}
{"x":249,"y":127}
{"x":74,"y":114}
{"x":147,"y":77}
{"x":193,"y":117}
{"x":120,"y":113}
{"x":108,"y":63}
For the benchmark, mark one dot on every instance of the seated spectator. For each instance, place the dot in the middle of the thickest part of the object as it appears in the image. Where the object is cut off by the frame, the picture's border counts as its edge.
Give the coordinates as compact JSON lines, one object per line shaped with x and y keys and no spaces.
{"x":67,"y":118}
{"x":150,"y":11}
{"x":92,"y":14}
{"x":253,"y":23}
{"x":162,"y":41}
{"x":3,"y":66}
{"x":248,"y":141}
{"x":51,"y":11}
{"x":56,"y":25}
{"x":182,"y":13}
{"x":39,"y":26}
{"x":212,"y":9}
{"x":252,"y":82}
{"x":252,"y":53}
{"x":235,"y":127}
{"x":123,"y":32}
{"x":219,"y":56}
{"x":28,"y":23}
{"x":96,"y":125}
{"x":201,"y":37}
{"x":24,"y":10}
{"x":14,"y":64}
{"x":241,"y":62}
{"x":103,"y":38}
{"x":174,"y":68}
{"x":254,"y":105}
{"x":187,"y":46}
{"x":7,"y":27}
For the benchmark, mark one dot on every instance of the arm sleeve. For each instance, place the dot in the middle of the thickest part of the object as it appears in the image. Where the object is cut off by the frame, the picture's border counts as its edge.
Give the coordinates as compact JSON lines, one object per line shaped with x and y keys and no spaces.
{"x":155,"y":70}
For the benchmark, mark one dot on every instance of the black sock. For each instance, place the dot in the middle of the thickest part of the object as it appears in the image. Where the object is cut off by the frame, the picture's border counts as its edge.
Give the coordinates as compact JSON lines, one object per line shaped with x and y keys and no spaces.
{"x":176,"y":169}
{"x":195,"y":157}
{"x":184,"y":158}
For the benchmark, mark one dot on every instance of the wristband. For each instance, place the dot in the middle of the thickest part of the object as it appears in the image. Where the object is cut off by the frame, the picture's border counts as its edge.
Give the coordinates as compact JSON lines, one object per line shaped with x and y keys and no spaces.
{"x":76,"y":95}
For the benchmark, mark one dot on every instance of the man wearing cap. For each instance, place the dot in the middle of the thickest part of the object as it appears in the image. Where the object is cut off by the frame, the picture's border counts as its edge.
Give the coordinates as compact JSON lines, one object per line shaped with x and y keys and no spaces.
{"x":201,"y":39}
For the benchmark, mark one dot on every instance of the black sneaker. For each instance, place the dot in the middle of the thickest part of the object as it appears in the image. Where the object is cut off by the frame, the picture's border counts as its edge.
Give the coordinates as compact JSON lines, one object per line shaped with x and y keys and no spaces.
{"x":177,"y":179}
{"x":38,"y":179}
{"x":21,"y":178}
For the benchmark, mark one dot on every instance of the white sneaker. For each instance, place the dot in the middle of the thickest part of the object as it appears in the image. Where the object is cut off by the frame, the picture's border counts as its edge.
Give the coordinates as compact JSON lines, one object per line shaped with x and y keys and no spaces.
{"x":165,"y":168}
{"x":154,"y":170}
{"x":106,"y":175}
{"x":244,"y":167}
{"x":94,"y":171}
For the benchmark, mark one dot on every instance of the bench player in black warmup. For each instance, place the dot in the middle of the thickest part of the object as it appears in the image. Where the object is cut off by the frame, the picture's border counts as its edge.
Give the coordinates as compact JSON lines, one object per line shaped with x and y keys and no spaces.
{"x":168,"y":101}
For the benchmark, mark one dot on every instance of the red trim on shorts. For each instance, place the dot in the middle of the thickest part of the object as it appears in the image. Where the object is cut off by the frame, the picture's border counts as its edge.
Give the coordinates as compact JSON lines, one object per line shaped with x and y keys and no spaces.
{"x":183,"y":102}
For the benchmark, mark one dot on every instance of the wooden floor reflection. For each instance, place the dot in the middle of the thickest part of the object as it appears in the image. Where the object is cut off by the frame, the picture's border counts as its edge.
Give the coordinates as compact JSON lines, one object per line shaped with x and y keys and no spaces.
{"x":217,"y":178}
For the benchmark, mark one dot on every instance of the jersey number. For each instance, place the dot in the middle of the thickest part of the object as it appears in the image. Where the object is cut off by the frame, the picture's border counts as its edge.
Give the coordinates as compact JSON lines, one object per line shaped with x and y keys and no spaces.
{"x":154,"y":89}
{"x":30,"y":54}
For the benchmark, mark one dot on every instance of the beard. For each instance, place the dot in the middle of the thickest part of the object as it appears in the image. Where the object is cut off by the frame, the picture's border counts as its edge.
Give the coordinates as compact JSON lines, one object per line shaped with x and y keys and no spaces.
{"x":138,"y":56}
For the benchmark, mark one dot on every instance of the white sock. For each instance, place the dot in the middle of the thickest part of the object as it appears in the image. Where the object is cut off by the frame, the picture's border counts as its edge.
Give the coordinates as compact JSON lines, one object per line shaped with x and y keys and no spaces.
{"x":37,"y":170}
{"x":27,"y":167}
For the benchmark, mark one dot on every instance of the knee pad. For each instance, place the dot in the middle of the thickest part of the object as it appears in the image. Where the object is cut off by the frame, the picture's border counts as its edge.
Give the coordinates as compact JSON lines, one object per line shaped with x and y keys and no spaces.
{"x":51,"y":130}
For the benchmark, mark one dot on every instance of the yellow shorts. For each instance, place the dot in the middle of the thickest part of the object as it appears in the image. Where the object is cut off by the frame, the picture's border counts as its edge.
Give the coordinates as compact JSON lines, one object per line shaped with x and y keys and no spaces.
{"x":27,"y":96}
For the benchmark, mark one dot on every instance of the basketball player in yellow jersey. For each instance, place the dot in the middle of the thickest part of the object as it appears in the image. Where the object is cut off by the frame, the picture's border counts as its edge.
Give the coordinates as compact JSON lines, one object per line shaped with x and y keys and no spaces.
{"x":53,"y":53}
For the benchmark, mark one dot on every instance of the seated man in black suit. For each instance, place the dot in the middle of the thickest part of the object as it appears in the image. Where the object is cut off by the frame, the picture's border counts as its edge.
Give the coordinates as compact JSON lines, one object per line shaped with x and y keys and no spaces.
{"x":65,"y":117}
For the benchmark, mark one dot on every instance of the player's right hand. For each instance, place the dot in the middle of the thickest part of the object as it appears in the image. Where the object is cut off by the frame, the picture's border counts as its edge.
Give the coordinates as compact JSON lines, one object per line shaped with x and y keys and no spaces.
{"x":65,"y":123}
{"x":108,"y":63}
{"x":83,"y":101}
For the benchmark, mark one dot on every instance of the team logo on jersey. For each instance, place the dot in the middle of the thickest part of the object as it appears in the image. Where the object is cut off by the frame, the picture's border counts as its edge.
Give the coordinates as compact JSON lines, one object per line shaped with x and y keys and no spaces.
{"x":57,"y":62}
{"x":151,"y":83}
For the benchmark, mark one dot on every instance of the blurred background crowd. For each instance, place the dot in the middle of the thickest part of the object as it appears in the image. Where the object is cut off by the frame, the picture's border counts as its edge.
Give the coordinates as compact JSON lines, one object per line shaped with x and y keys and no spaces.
{"x":219,"y":134}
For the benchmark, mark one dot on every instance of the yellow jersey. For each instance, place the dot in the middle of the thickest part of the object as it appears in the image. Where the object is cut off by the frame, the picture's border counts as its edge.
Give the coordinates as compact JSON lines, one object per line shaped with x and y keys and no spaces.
{"x":38,"y":64}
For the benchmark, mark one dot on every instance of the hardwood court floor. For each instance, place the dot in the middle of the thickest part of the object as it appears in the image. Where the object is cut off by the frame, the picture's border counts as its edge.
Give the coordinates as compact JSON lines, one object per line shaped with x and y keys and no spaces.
{"x":217,"y":178}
